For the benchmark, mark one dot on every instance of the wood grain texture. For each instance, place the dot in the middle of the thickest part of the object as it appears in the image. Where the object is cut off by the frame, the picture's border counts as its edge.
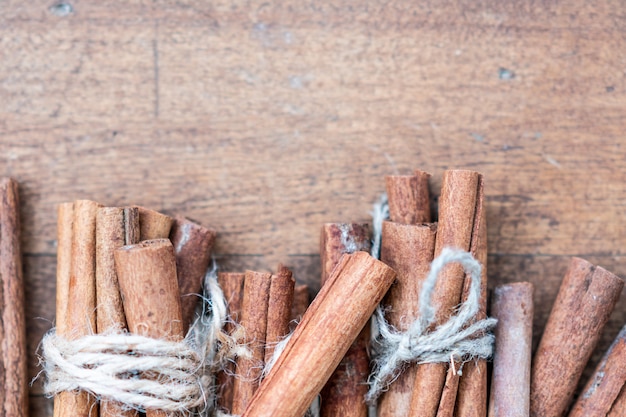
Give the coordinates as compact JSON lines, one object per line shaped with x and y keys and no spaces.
{"x":291,"y":114}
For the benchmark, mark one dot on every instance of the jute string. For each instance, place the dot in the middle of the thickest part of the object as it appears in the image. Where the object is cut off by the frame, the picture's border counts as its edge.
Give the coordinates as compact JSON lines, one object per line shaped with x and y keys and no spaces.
{"x":142,"y":372}
{"x":458,"y":339}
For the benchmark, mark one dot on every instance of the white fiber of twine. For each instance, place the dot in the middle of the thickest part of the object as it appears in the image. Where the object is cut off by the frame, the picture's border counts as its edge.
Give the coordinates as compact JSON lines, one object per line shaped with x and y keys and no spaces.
{"x":457,"y":338}
{"x":142,"y":372}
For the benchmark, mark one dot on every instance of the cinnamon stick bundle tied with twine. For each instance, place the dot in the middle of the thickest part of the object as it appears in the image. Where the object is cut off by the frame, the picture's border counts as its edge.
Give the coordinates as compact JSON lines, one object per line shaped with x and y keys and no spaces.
{"x":456,"y":338}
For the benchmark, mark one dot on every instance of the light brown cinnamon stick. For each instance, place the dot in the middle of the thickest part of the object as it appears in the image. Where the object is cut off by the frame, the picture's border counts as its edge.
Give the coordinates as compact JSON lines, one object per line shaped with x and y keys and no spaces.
{"x":582,"y":307}
{"x":80,"y":315}
{"x":408,"y":195}
{"x":153,"y":225}
{"x":606,"y":383}
{"x":619,"y":406}
{"x":115,"y":227}
{"x":460,"y":205}
{"x":278,"y":309}
{"x":328,"y":327}
{"x":192,"y":245}
{"x":232,"y":286}
{"x":471,"y":395}
{"x":13,"y":370}
{"x":512,"y":305}
{"x":409,"y":250}
{"x":256,"y":290}
{"x":344,"y":393}
{"x":147,"y":278}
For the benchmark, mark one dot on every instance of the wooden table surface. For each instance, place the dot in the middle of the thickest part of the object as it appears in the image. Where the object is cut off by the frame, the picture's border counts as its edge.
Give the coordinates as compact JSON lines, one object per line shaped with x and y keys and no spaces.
{"x":267,"y":119}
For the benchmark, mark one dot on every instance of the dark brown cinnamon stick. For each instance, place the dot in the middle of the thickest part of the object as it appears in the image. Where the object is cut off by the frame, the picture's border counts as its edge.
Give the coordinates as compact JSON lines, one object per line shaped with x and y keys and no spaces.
{"x":232,"y":286}
{"x":13,"y":370}
{"x":300,"y":304}
{"x":582,"y":307}
{"x":80,"y":315}
{"x":192,"y":245}
{"x":115,"y":227}
{"x":606,"y":383}
{"x":513,"y":306}
{"x":460,"y":205}
{"x":344,"y":393}
{"x":147,"y":278}
{"x":408,"y":195}
{"x":278,"y":309}
{"x":328,"y":328}
{"x":256,"y":290}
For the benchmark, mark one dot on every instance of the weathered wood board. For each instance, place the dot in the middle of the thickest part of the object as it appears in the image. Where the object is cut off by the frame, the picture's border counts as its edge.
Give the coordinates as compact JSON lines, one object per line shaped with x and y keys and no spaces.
{"x":266,"y":119}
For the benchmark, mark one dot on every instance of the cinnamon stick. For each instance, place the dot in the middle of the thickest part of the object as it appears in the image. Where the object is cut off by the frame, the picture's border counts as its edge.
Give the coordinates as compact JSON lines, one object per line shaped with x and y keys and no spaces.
{"x":513,"y":306}
{"x":153,"y":225}
{"x":80,"y":315}
{"x":460,"y":205}
{"x":409,"y":250}
{"x":231,"y":284}
{"x":408,"y":196}
{"x":329,"y":326}
{"x":582,"y":307}
{"x":344,"y":393}
{"x":115,"y":227}
{"x":300,"y":304}
{"x":278,"y":309}
{"x":147,"y":278}
{"x":13,"y":370}
{"x":606,"y":383}
{"x":619,"y":406}
{"x":471,"y":395}
{"x":256,"y":289}
{"x":192,"y":245}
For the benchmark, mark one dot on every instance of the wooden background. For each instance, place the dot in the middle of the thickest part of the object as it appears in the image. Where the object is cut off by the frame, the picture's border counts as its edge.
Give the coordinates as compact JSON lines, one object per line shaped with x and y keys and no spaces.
{"x":266,"y":119}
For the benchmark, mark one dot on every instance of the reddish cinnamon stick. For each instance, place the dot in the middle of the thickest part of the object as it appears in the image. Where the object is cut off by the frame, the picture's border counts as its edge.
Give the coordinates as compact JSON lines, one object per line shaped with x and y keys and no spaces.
{"x":153,"y":225}
{"x":278,"y":309}
{"x":606,"y":383}
{"x":232,"y":286}
{"x":409,"y":250}
{"x":513,"y":306}
{"x":192,"y":245}
{"x":460,"y":205}
{"x":80,"y":315}
{"x":329,"y":326}
{"x":619,"y":406}
{"x":300,"y":304}
{"x":13,"y":370}
{"x":471,"y":395}
{"x":256,"y":289}
{"x":344,"y":393}
{"x":408,"y":196}
{"x":115,"y":227}
{"x":582,"y":307}
{"x":147,"y":279}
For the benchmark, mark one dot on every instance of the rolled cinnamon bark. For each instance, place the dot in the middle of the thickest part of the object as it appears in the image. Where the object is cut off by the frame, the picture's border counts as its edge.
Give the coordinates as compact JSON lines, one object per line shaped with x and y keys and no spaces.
{"x":231,"y":284}
{"x":619,"y":406}
{"x":13,"y":370}
{"x":192,"y":245}
{"x":147,"y":278}
{"x":153,"y":225}
{"x":513,"y":306}
{"x":256,"y":290}
{"x":408,"y":195}
{"x":604,"y":387}
{"x":471,"y":396}
{"x":344,"y":393}
{"x":278,"y":309}
{"x":460,"y":205}
{"x":300,"y":304}
{"x":115,"y":227}
{"x":77,"y":264}
{"x":582,"y":307}
{"x":409,"y":250}
{"x":328,"y":327}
